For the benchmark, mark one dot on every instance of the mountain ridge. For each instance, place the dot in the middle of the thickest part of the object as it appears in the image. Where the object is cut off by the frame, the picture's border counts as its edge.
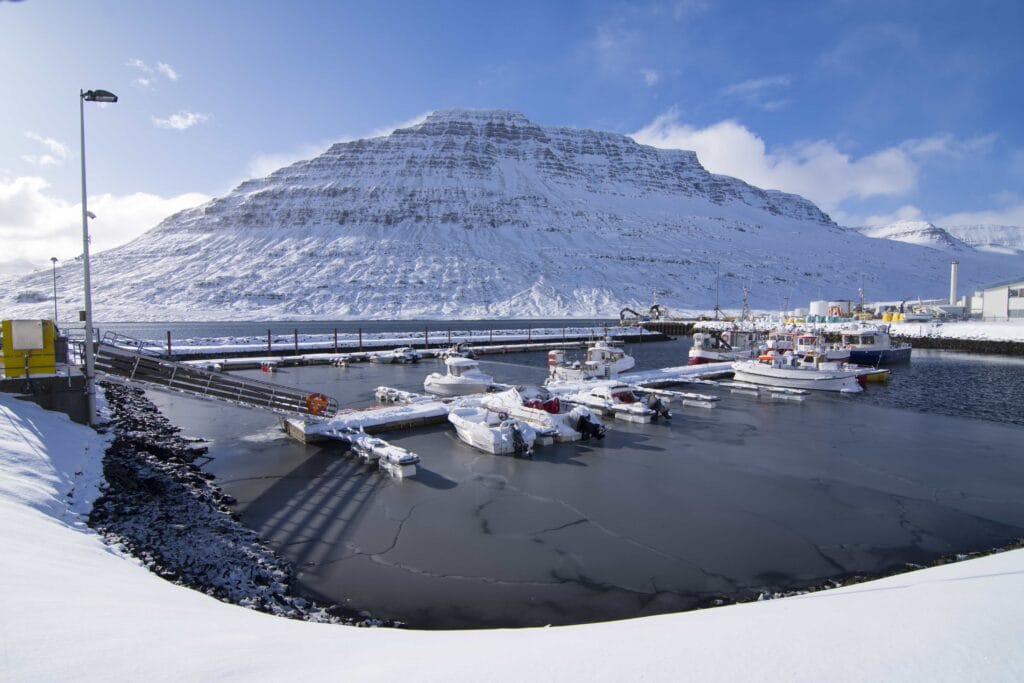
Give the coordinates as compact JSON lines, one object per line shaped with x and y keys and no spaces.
{"x":485,"y":214}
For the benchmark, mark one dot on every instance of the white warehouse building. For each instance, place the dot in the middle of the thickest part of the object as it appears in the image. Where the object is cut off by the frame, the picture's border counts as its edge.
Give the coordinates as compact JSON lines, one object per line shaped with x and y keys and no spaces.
{"x":999,"y":301}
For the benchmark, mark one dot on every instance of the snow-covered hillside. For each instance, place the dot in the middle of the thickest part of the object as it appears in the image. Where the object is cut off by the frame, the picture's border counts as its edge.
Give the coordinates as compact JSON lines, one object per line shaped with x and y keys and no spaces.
{"x":921,"y":233}
{"x":484,"y":214}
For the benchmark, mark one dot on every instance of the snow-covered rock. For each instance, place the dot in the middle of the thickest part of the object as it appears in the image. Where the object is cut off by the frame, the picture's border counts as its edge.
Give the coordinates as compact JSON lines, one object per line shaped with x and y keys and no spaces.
{"x":485,"y":214}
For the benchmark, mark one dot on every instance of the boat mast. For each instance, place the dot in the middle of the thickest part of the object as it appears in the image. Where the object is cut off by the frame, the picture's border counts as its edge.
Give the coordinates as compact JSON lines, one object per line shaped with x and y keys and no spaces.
{"x":717,"y":273}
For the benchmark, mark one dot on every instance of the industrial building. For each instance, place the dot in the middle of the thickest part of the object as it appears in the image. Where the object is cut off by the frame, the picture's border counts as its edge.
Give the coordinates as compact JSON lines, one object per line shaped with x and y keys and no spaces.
{"x":999,"y":301}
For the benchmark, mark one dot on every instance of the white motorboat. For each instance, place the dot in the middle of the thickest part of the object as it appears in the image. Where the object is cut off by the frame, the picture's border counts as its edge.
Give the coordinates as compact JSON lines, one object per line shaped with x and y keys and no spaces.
{"x":403,"y":354}
{"x":464,"y":350}
{"x":493,"y":432}
{"x":602,"y":361}
{"x":395,"y":460}
{"x":714,"y":347}
{"x":619,"y":401}
{"x":553,"y":419}
{"x":463,"y":377}
{"x":788,"y":371}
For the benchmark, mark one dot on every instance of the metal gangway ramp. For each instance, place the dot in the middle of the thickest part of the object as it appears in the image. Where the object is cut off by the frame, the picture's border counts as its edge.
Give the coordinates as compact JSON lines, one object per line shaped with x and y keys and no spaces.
{"x":131,"y":359}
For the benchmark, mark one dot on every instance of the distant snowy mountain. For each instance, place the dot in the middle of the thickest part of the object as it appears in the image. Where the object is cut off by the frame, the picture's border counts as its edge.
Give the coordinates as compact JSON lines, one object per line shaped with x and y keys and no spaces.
{"x":1002,"y":239}
{"x":484,"y":214}
{"x":921,"y":233}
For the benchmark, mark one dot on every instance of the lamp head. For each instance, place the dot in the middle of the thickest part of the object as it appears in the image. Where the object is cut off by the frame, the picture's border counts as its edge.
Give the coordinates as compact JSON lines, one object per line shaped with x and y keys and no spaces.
{"x":99,"y":96}
{"x":90,"y":214}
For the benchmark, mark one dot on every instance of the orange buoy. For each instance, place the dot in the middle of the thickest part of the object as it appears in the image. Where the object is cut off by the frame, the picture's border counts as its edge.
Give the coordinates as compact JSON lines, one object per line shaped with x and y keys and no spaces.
{"x":316,"y":403}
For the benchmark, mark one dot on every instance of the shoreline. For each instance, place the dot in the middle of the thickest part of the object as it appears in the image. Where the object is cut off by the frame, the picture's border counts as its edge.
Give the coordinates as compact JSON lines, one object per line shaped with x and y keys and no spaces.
{"x":158,"y":505}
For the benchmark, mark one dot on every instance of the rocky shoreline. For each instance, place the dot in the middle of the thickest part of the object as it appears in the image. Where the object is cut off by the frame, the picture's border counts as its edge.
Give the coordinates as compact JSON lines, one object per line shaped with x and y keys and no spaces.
{"x":160,"y":507}
{"x":986,"y":346}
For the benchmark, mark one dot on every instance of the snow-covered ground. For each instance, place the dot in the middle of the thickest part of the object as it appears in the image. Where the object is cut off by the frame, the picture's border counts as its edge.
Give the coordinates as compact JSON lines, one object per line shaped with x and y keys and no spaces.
{"x":968,"y":329}
{"x":73,"y":608}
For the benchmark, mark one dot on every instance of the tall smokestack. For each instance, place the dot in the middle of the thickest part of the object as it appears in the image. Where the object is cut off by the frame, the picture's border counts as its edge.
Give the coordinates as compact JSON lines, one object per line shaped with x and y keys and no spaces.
{"x":952,"y":283}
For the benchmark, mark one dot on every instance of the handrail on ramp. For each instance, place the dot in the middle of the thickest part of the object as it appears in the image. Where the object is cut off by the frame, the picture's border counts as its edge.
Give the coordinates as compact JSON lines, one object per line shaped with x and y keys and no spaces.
{"x":124,"y":357}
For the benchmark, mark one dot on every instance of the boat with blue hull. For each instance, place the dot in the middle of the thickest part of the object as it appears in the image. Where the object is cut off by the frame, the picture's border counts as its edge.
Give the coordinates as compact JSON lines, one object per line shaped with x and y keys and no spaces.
{"x":874,"y":346}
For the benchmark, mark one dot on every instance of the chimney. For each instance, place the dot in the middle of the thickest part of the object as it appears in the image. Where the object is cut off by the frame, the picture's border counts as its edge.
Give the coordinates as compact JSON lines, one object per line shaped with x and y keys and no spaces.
{"x":952,"y":283}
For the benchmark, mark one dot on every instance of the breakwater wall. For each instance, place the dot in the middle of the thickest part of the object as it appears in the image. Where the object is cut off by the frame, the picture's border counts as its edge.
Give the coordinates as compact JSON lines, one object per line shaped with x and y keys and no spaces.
{"x":987,"y":346}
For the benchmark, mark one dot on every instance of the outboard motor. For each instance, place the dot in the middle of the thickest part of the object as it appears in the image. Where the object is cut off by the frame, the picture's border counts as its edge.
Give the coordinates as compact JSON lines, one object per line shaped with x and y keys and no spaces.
{"x":588,"y":428}
{"x":659,"y":407}
{"x":519,"y":447}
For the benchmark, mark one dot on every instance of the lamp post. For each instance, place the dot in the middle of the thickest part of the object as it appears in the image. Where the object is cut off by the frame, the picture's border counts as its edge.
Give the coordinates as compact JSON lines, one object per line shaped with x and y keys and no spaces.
{"x":53,"y":260}
{"x":90,"y":361}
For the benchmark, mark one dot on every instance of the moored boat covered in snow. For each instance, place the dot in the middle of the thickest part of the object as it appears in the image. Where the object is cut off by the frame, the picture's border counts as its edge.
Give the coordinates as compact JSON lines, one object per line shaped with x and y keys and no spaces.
{"x":603,"y":361}
{"x":552,"y":418}
{"x":493,"y":432}
{"x":617,"y":400}
{"x":403,"y":354}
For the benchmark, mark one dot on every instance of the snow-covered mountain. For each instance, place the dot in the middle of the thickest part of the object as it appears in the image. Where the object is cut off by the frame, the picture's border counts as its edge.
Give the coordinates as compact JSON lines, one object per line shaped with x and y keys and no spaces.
{"x":484,"y":214}
{"x":921,"y":233}
{"x":999,"y":239}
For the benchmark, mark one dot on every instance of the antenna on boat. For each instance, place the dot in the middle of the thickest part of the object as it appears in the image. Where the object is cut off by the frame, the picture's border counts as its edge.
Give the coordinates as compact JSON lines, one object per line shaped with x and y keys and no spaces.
{"x":745,"y":315}
{"x":717,"y":309}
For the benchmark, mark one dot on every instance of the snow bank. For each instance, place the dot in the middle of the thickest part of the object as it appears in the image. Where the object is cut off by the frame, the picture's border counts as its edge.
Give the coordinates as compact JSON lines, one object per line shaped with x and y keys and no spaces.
{"x":74,"y":609}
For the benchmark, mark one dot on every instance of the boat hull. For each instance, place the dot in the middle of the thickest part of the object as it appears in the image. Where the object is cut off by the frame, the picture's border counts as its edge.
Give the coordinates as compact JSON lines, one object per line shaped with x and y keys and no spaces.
{"x":892,"y":356}
{"x":754,"y":372}
{"x":443,"y":387}
{"x":476,"y":429}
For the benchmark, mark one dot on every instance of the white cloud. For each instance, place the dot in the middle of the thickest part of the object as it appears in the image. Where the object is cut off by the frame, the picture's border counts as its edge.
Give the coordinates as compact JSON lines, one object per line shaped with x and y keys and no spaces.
{"x":37,"y":225}
{"x":817,"y":170}
{"x":904,"y":213}
{"x":167,"y":70}
{"x":682,"y":9}
{"x":56,"y":152}
{"x":1006,"y":197}
{"x":183,"y":120}
{"x":140,"y":65}
{"x":759,"y":92}
{"x":147,"y":81}
{"x":1010,"y":215}
{"x":948,"y":145}
{"x":651,"y":77}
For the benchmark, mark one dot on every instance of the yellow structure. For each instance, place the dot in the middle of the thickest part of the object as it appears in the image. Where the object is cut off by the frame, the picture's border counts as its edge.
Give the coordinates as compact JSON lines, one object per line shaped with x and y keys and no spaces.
{"x":28,"y":347}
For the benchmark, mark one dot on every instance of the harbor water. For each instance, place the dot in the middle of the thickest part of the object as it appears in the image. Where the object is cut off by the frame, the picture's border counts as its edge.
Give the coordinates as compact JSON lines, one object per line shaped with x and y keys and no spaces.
{"x":753,"y":496}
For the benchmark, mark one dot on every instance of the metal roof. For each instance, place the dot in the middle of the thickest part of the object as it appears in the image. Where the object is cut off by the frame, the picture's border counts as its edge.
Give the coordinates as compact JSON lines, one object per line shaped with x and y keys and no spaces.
{"x":1004,"y":283}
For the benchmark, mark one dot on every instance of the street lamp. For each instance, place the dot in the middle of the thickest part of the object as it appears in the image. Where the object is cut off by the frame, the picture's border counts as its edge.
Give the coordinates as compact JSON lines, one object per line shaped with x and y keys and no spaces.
{"x":53,"y":260}
{"x":90,"y":361}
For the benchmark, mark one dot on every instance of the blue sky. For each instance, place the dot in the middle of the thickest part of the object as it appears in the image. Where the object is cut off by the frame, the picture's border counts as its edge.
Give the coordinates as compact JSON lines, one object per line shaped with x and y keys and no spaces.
{"x":874,"y":110}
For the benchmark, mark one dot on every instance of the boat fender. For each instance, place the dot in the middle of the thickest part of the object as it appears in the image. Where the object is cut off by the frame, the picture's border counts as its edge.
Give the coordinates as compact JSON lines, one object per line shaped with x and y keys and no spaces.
{"x":316,"y":403}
